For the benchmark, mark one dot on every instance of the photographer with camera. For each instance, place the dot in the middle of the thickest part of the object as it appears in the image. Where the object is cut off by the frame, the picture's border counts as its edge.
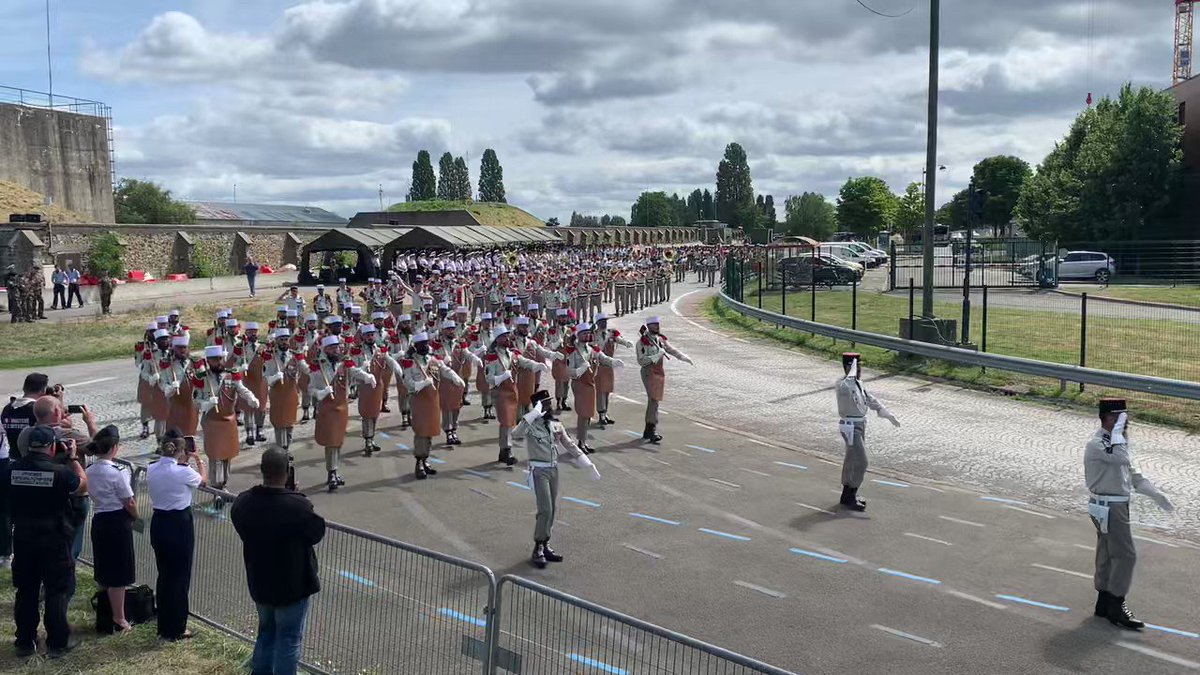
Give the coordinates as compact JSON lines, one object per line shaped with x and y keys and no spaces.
{"x":112,"y":527}
{"x":41,"y":491}
{"x":171,"y":481}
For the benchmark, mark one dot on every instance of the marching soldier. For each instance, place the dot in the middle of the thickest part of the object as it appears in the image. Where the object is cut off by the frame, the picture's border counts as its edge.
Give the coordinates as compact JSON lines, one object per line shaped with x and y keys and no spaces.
{"x":398,"y":344}
{"x":1112,"y":477}
{"x":583,"y":360}
{"x":216,"y":393}
{"x":322,"y":304}
{"x":453,"y":352}
{"x":606,"y":380}
{"x":370,"y":357}
{"x":502,"y":363}
{"x":345,"y":298}
{"x":479,"y":346}
{"x":652,"y":350}
{"x":154,"y":404}
{"x":422,"y":371}
{"x":175,"y":382}
{"x":527,"y":379}
{"x":853,"y":402}
{"x":282,"y":370}
{"x":248,"y":360}
{"x":329,"y":377}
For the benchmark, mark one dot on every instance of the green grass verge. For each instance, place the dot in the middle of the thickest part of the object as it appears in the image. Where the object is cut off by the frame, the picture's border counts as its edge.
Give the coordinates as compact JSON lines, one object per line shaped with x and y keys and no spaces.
{"x":37,"y":345}
{"x":1186,"y":296}
{"x":139,"y":651}
{"x":487,"y":213}
{"x":1159,"y":409}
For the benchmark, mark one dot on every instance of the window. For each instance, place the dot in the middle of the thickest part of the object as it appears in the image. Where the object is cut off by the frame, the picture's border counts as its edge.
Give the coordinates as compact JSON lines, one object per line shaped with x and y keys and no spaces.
{"x":1097,"y":257}
{"x":1073,"y":257}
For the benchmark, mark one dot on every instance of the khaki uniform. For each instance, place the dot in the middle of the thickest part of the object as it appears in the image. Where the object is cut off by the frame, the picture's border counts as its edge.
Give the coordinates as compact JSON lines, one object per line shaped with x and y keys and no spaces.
{"x":545,"y":442}
{"x":283,"y":370}
{"x":606,"y":380}
{"x":651,"y":351}
{"x":583,"y":364}
{"x":329,"y":385}
{"x":216,"y":396}
{"x":422,"y":376}
{"x":853,"y":403}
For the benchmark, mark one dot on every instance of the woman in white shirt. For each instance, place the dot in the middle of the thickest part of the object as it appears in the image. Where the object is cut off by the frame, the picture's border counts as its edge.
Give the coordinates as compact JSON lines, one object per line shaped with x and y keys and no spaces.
{"x":171,"y":481}
{"x":114,"y":512}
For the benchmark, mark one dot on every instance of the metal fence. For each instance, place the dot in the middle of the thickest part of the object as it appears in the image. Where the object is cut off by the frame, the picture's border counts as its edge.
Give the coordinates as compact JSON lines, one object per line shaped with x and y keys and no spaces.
{"x":390,"y":607}
{"x":1010,"y":263}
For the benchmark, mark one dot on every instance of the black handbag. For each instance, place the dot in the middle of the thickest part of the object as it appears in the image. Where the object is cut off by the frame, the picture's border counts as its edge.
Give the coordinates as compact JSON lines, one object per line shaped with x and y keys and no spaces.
{"x":139,"y":608}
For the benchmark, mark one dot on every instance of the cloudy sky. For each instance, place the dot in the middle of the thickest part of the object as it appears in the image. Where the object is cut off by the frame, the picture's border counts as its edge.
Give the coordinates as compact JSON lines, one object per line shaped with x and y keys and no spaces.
{"x":586,"y":103}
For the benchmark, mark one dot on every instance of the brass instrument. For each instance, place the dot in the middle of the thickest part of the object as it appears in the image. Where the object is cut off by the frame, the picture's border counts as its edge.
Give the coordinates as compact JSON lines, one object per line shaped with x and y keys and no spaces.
{"x":510,"y":259}
{"x":669,"y":255}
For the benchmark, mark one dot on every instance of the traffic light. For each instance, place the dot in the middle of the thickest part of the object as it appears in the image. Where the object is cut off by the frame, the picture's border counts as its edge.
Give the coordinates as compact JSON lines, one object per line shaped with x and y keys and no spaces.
{"x":976,"y":202}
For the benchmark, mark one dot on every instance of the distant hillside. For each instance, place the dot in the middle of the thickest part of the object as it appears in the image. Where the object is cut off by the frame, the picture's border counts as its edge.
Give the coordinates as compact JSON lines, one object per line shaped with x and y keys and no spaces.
{"x":20,"y":199}
{"x":487,"y":213}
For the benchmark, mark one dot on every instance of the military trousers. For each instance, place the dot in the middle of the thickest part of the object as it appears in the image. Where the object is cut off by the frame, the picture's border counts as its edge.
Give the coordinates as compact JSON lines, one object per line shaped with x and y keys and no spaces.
{"x":854,"y":466}
{"x":1115,"y":553}
{"x":545,"y":491}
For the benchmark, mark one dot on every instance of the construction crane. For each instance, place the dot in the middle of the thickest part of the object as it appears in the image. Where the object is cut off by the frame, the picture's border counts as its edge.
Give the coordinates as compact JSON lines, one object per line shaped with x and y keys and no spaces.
{"x":1183,"y":40}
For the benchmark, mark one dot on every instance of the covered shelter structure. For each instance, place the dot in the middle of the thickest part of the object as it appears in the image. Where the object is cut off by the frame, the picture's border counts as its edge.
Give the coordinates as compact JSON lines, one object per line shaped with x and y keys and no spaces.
{"x":368,"y":244}
{"x":467,"y":237}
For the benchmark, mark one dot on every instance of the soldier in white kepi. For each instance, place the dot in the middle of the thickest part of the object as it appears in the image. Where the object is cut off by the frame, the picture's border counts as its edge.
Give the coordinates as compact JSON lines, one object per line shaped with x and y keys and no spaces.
{"x":652,"y":350}
{"x":853,"y":403}
{"x":1112,"y":478}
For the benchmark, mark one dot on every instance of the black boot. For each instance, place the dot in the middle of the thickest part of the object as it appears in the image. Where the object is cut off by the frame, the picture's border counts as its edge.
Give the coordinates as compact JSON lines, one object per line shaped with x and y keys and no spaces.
{"x":249,"y":439}
{"x":337,"y":477}
{"x":1103,"y":599}
{"x":368,"y":447}
{"x":449,"y":438}
{"x":428,"y":469}
{"x":465,"y":401}
{"x":454,"y":440}
{"x":649,"y":436}
{"x":850,"y":499}
{"x":259,"y":436}
{"x":405,"y":420}
{"x":1119,"y":614}
{"x":331,"y":482}
{"x":304,"y":418}
{"x":419,"y":472}
{"x":506,"y":457}
{"x":385,"y":409}
{"x":549,"y":553}
{"x":539,"y":556}
{"x":145,"y":432}
{"x":565,"y":406}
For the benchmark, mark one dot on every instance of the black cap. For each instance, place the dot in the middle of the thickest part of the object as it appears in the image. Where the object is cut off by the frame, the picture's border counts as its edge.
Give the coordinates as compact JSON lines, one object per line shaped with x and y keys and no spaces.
{"x":539,"y":395}
{"x":1112,"y":405}
{"x":109,"y":432}
{"x":849,"y":357}
{"x":42,"y":436}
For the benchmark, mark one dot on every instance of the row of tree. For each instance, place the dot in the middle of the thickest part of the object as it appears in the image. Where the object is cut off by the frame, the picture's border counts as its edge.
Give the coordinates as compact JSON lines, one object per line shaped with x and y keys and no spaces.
{"x":453,"y":181}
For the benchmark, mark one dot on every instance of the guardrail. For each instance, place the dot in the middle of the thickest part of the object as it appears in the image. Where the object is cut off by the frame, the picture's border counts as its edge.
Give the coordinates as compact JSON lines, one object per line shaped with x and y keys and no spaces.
{"x":1104,"y":378}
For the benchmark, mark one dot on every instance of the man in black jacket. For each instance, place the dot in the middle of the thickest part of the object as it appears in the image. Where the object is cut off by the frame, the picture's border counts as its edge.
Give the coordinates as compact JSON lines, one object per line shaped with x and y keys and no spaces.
{"x":278,"y":528}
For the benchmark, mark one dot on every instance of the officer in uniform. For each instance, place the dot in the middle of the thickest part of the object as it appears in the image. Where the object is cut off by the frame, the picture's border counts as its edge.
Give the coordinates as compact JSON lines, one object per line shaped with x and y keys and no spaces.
{"x":853,"y":403}
{"x":322,"y":304}
{"x":41,"y":490}
{"x":1112,"y":478}
{"x":652,"y":349}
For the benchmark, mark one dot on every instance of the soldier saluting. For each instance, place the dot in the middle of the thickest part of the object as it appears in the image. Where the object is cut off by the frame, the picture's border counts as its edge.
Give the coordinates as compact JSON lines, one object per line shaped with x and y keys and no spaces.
{"x":853,"y":403}
{"x":1112,"y":477}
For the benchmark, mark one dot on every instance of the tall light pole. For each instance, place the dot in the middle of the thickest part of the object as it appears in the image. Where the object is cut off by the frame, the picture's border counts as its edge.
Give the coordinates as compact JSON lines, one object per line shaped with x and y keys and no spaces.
{"x":49,"y":62}
{"x":935,"y":9}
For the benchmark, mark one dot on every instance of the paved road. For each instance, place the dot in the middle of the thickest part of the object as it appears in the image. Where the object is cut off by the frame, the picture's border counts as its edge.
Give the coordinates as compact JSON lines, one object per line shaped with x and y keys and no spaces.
{"x":975,"y":513}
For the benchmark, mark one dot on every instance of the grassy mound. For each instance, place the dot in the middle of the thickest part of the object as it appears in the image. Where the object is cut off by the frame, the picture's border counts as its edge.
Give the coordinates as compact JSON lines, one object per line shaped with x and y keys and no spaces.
{"x":487,"y":213}
{"x":16,"y":198}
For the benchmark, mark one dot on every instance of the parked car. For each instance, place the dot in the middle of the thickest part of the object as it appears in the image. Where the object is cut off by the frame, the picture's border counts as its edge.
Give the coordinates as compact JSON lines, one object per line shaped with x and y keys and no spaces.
{"x":1087,"y":265}
{"x":803,"y":270}
{"x":850,"y":251}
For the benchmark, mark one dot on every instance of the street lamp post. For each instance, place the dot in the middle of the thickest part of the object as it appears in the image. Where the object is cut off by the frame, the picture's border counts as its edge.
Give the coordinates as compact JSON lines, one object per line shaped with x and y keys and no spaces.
{"x":931,"y":162}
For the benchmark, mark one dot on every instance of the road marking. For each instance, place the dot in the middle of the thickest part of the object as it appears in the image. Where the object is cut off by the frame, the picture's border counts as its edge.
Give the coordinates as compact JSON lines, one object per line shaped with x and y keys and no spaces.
{"x":519,"y":485}
{"x":702,"y":449}
{"x":584,"y":502}
{"x":718,"y":533}
{"x":755,"y":440}
{"x":793,"y":466}
{"x":818,"y":556}
{"x":685,"y":454}
{"x":660,"y":461}
{"x":760,"y":589}
{"x":1002,"y":500}
{"x":598,"y":665}
{"x":87,"y":382}
{"x":962,"y":522}
{"x":972,"y":598}
{"x":907,"y":636}
{"x":1061,"y":570}
{"x":655,"y":519}
{"x":1033,"y":603}
{"x":920,"y":536}
{"x":1154,"y":653}
{"x":757,"y":473}
{"x":726,"y":483}
{"x":402,"y":446}
{"x":1155,"y":541}
{"x":648,"y":554}
{"x":1027,"y":511}
{"x":384,"y":435}
{"x":906,"y":575}
{"x":815,"y":508}
{"x":1086,"y":548}
{"x":465,"y":618}
{"x":481,"y":474}
{"x":675,"y":302}
{"x":435,"y":460}
{"x":737,"y":339}
{"x":888,"y":482}
{"x":630,"y":432}
{"x":357,"y":579}
{"x":704,"y":426}
{"x":626,"y":398}
{"x":481,"y":492}
{"x":1173,"y":631}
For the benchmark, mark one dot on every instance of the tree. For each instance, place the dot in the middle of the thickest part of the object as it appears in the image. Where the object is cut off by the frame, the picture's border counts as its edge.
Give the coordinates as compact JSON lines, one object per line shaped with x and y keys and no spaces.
{"x":1115,"y":169}
{"x":767,"y":208}
{"x":462,"y":180}
{"x":953,"y":213}
{"x":865,"y":206}
{"x":1000,"y":178}
{"x":910,"y":211}
{"x":143,"y":201}
{"x":105,"y":257}
{"x":735,"y":194}
{"x":683,"y":214}
{"x":695,"y":205}
{"x":424,"y":183}
{"x":810,"y":215}
{"x":491,"y":178}
{"x":654,"y":209}
{"x":618,"y":221}
{"x":553,"y":222}
{"x":446,"y":182}
{"x":709,"y":210}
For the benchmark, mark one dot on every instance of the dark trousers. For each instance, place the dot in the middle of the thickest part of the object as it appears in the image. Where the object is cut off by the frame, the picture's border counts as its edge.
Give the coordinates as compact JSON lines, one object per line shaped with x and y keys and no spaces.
{"x":173,"y":537}
{"x":73,"y":292}
{"x":60,"y":296}
{"x":6,"y":544}
{"x":42,"y":561}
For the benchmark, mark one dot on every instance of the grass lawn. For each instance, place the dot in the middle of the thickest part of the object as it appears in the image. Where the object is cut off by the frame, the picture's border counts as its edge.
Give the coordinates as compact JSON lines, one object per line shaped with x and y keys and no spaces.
{"x":139,"y":651}
{"x":1038,"y":335}
{"x":1187,"y":296}
{"x":33,"y":345}
{"x":487,"y":213}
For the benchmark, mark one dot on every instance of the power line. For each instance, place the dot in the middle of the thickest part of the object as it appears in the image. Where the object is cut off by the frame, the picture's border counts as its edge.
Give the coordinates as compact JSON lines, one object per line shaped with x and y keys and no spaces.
{"x":883,"y":14}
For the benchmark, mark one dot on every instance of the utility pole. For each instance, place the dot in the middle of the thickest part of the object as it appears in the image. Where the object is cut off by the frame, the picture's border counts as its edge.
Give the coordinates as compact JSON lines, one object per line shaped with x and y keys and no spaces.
{"x":49,"y":62}
{"x":931,"y":162}
{"x":381,"y":196}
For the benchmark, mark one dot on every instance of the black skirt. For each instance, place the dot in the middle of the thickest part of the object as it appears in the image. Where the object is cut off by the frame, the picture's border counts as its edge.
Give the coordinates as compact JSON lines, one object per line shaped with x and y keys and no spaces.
{"x":112,"y":549}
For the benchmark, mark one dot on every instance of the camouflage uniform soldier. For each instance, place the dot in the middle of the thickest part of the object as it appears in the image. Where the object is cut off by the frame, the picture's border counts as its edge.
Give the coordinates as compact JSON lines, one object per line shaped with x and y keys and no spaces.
{"x":12,"y":285}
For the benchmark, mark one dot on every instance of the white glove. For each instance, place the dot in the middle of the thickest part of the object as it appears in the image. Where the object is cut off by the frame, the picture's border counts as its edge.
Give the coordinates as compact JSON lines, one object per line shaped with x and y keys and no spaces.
{"x":887,"y":415}
{"x":1163,"y":503}
{"x":543,"y":367}
{"x":324,"y":393}
{"x":502,"y":377}
{"x":618,"y":363}
{"x":533,"y":415}
{"x":212,"y":401}
{"x":369,"y":379}
{"x":686,"y":359}
{"x":559,"y":356}
{"x":1118,"y":432}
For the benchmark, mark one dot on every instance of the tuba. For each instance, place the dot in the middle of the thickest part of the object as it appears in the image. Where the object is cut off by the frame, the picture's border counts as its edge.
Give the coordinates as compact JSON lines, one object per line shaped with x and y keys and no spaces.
{"x":510,"y":259}
{"x":669,"y":255}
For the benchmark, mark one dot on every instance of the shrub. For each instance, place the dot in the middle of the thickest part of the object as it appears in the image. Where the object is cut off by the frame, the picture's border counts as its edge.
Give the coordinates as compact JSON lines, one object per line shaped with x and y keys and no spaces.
{"x":105,"y":256}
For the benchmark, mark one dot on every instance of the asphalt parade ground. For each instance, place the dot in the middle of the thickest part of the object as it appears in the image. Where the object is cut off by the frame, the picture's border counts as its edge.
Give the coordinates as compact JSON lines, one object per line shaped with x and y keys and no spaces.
{"x":975,"y":553}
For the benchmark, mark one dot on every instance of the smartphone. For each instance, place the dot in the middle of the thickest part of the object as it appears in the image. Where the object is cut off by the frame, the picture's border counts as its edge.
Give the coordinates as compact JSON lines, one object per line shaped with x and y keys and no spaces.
{"x":191,"y":444}
{"x":75,"y":409}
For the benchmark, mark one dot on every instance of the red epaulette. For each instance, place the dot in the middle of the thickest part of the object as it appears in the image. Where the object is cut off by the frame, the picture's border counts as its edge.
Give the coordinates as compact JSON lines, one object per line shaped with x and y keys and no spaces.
{"x":553,"y":331}
{"x":271,"y":324}
{"x":313,"y":367}
{"x":616,"y":333}
{"x":596,"y":348}
{"x":237,"y":377}
{"x":219,"y":342}
{"x":184,"y":328}
{"x":664,"y":337}
{"x":138,"y":346}
{"x":348,"y":363}
{"x":355,"y":351}
{"x":348,"y":340}
{"x":406,"y":363}
{"x":209,"y":331}
{"x":197,"y":382}
{"x":147,"y":355}
{"x":493,"y":357}
{"x":568,"y":350}
{"x":463,"y":344}
{"x":435,"y":345}
{"x":237,"y":350}
{"x":298,"y":356}
{"x":645,"y":340}
{"x":164,"y":364}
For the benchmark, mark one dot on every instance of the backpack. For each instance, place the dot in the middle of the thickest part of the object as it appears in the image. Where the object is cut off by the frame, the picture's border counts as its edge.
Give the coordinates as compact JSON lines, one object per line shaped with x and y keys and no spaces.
{"x":139,"y":608}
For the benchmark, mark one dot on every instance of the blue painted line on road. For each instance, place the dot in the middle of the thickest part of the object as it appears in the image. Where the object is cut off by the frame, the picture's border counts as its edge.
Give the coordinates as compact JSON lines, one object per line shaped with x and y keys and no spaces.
{"x":465,"y":618}
{"x":664,"y":521}
{"x":793,"y":466}
{"x":481,"y":474}
{"x":702,"y":449}
{"x":519,"y":485}
{"x":818,"y":556}
{"x":584,"y":502}
{"x":888,"y":482}
{"x":1033,"y":603}
{"x":718,"y":533}
{"x":357,"y":579}
{"x":385,"y":435}
{"x":632,"y":433}
{"x":435,"y":460}
{"x":598,"y":665}
{"x":1173,"y":631}
{"x":906,"y":575}
{"x":402,"y":446}
{"x":1001,"y":500}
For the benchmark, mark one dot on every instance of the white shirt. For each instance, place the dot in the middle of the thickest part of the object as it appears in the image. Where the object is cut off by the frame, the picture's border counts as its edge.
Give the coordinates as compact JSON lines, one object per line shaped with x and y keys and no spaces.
{"x":108,"y":486}
{"x":171,"y":484}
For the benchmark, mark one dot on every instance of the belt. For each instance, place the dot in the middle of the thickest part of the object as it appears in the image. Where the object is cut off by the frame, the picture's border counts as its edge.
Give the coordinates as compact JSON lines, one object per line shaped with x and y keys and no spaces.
{"x":847,"y":418}
{"x":533,"y":464}
{"x":1105,"y":500}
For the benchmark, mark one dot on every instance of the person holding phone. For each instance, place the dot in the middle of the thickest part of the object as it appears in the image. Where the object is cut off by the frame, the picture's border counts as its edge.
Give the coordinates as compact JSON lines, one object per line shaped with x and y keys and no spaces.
{"x":171,"y":480}
{"x":112,"y":526}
